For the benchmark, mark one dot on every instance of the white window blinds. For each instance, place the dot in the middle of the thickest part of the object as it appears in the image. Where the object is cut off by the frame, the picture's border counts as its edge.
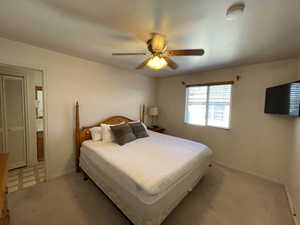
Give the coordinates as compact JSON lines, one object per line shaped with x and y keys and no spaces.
{"x":294,"y":99}
{"x":196,"y":101}
{"x":208,"y":105}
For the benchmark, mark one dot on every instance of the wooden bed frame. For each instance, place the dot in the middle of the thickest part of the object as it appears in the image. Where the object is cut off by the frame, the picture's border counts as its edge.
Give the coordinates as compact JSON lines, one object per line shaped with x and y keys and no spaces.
{"x":83,"y":134}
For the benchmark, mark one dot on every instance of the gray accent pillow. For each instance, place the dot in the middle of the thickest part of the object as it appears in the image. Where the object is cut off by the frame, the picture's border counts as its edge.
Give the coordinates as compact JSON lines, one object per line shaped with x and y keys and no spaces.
{"x":123,"y":133}
{"x":138,"y":129}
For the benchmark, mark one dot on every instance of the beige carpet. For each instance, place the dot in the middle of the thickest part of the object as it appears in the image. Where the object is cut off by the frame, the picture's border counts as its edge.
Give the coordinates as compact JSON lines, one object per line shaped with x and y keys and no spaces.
{"x":224,"y":197}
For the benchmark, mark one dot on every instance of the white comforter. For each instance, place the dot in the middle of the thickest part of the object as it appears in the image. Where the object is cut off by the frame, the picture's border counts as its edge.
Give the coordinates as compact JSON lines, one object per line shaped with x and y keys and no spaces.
{"x":153,"y":163}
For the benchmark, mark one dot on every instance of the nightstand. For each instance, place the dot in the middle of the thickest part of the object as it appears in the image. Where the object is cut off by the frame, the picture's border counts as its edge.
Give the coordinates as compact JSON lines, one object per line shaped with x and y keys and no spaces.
{"x":4,"y":212}
{"x":157,"y":129}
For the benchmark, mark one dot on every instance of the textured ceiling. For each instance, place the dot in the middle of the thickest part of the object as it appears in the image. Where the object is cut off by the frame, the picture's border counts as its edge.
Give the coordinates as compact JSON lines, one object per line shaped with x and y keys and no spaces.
{"x":268,"y":29}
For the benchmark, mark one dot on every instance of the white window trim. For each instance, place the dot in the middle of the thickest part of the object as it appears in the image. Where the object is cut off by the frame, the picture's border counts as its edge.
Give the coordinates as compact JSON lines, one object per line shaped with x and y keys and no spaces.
{"x":206,"y":113}
{"x":207,"y":102}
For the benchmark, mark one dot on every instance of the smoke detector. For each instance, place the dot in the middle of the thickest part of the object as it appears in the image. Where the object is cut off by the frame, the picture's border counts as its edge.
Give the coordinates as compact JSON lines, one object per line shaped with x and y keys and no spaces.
{"x":235,"y":11}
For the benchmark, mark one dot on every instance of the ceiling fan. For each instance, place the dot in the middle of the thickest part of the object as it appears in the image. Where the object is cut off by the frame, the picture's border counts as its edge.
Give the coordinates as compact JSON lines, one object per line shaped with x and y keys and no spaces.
{"x":158,"y":53}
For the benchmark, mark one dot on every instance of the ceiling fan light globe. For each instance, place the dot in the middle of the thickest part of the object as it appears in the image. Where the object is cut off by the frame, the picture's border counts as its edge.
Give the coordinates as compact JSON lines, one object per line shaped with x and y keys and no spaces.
{"x":157,"y":63}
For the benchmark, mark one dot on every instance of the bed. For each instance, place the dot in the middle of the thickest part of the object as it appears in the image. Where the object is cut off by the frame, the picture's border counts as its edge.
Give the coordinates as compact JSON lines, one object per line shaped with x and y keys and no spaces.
{"x":147,"y":178}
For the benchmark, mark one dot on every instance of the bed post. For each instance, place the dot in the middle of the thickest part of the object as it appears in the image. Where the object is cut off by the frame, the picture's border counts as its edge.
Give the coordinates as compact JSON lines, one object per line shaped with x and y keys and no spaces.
{"x":77,"y":136}
{"x":142,"y":113}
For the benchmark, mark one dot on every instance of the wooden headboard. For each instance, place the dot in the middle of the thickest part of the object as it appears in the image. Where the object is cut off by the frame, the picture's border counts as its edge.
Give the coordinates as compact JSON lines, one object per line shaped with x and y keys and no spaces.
{"x":83,"y":134}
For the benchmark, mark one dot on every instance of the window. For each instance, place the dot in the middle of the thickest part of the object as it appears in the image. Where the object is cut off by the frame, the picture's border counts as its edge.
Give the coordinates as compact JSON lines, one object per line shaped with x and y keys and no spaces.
{"x":208,"y":105}
{"x":294,"y":99}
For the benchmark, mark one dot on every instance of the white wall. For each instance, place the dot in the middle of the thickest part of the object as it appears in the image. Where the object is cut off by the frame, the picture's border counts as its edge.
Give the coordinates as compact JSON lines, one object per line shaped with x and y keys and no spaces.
{"x":293,"y":177}
{"x":102,"y":91}
{"x":257,"y":143}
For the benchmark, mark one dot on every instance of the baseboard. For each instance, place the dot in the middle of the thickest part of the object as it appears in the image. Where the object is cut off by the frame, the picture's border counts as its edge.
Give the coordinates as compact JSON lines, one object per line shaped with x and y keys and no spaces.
{"x":247,"y":172}
{"x":291,"y":205}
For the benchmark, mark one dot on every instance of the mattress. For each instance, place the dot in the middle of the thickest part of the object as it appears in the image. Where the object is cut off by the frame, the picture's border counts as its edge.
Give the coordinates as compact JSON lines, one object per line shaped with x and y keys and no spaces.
{"x":148,"y":168}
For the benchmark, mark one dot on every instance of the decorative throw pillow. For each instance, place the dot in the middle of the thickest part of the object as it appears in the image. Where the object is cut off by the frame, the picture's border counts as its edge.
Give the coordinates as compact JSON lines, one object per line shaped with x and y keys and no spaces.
{"x":107,"y":135}
{"x":138,"y":121}
{"x":123,"y":133}
{"x":96,"y":133}
{"x":138,"y":129}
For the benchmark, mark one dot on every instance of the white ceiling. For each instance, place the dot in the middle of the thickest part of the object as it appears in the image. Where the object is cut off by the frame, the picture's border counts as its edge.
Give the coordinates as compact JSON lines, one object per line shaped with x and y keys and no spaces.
{"x":93,"y":29}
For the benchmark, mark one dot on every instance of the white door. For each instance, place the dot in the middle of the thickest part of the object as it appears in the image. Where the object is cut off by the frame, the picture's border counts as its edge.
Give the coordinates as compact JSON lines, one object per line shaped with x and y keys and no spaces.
{"x":14,"y":118}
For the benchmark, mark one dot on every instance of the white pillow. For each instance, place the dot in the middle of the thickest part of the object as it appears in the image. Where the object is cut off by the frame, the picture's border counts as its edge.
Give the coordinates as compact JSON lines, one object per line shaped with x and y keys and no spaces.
{"x":96,"y":133}
{"x":107,"y":135}
{"x":144,"y":125}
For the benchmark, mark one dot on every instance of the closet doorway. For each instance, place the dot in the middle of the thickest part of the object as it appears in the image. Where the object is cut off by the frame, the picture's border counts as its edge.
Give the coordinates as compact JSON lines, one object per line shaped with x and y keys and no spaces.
{"x":22,"y":125}
{"x":13,"y":122}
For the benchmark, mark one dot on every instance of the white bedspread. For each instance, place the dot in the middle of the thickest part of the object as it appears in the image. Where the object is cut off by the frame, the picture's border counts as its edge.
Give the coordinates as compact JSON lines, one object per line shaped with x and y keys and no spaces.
{"x":153,"y":164}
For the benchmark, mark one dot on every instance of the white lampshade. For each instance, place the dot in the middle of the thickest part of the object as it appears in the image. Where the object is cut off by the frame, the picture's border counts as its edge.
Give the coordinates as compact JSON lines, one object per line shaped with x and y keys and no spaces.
{"x":153,"y":111}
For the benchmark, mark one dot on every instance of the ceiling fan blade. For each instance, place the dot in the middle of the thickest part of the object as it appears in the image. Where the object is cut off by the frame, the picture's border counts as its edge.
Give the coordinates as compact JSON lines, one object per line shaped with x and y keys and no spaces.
{"x":171,"y":63}
{"x":143,"y":64}
{"x":129,"y":53}
{"x":185,"y":52}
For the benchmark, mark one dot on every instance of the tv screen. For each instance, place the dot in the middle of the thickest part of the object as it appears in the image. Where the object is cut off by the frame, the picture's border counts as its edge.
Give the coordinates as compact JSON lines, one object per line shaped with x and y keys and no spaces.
{"x":283,"y":99}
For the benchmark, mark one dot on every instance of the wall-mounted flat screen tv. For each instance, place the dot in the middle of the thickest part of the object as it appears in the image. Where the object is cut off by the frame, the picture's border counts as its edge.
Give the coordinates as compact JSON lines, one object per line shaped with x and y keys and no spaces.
{"x":283,"y":99}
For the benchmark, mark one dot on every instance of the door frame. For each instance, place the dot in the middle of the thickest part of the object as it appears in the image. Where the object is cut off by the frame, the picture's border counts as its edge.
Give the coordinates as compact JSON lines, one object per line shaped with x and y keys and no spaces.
{"x":2,"y":130}
{"x":15,"y":71}
{"x":24,"y":111}
{"x":22,"y":68}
